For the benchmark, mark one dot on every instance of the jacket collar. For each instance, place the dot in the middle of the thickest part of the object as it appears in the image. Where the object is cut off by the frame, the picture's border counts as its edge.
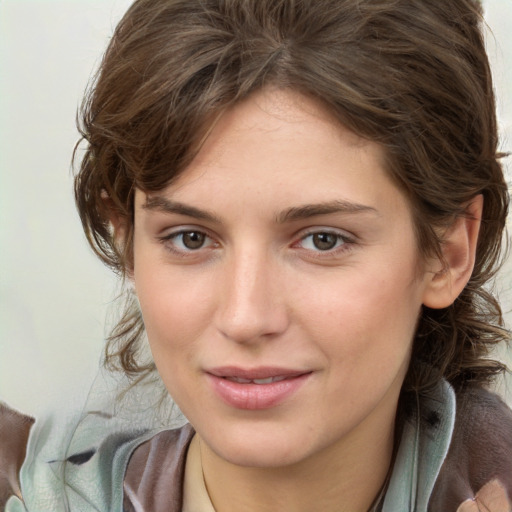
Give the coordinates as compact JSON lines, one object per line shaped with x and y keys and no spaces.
{"x":423,"y":447}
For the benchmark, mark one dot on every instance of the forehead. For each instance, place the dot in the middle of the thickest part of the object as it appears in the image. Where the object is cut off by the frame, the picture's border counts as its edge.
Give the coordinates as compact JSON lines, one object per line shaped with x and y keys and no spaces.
{"x":276,"y":154}
{"x":280,"y":115}
{"x":281,"y":136}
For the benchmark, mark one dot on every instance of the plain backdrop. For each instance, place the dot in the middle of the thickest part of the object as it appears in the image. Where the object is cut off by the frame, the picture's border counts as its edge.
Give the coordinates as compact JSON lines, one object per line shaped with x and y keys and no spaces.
{"x":54,"y":294}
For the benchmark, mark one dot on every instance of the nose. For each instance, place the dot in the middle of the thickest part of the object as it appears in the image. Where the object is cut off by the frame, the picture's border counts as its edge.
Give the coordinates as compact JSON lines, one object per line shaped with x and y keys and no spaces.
{"x":252,"y":305}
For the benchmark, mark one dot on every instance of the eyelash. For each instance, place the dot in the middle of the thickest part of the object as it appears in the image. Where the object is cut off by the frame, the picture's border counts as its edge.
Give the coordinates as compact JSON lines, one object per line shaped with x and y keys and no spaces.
{"x":169,"y":242}
{"x":347,"y":243}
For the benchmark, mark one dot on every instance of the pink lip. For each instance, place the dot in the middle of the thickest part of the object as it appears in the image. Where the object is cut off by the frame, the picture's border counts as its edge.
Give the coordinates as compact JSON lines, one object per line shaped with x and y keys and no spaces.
{"x":252,"y":396}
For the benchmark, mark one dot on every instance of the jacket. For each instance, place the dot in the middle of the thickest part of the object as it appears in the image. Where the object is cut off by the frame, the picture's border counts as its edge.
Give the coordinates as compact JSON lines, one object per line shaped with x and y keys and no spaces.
{"x":452,"y":449}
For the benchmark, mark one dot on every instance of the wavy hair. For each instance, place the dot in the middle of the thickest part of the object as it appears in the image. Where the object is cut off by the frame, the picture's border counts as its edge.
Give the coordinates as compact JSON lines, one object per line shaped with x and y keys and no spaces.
{"x":410,"y":75}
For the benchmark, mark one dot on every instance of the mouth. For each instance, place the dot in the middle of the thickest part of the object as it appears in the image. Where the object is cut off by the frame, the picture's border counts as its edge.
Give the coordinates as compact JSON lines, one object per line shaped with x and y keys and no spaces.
{"x":268,"y":380}
{"x":261,"y":375}
{"x":256,"y":389}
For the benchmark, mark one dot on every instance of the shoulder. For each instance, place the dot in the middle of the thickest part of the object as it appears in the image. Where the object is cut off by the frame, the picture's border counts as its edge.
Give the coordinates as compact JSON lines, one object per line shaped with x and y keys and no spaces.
{"x":155,"y":471}
{"x":73,"y":462}
{"x":480,"y":450}
{"x":14,"y":432}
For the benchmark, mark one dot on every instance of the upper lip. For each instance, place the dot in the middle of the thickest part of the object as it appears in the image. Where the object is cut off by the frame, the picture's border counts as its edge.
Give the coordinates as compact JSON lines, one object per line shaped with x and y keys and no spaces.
{"x":263,"y":372}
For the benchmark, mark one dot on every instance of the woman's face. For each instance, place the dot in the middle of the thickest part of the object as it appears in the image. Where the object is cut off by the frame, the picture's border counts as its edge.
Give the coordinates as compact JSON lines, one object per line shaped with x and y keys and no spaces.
{"x":280,"y":285}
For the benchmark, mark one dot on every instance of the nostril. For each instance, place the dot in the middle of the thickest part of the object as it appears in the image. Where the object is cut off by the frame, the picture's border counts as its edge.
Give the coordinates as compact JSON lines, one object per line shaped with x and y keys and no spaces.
{"x":251,"y":325}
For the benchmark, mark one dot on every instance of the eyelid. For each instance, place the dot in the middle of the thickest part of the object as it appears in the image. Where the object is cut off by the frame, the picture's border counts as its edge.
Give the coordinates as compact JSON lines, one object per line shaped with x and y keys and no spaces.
{"x":349,"y":241}
{"x":171,"y":231}
{"x":342,"y":233}
{"x":167,"y":239}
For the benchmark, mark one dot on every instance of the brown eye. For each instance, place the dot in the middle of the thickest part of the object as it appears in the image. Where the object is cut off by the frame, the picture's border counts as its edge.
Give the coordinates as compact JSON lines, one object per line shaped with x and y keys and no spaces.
{"x":188,"y":242}
{"x":193,"y":239}
{"x":325,"y":241}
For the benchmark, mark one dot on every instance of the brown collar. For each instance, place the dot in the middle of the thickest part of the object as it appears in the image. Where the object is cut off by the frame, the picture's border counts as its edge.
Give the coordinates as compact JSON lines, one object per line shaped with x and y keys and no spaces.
{"x":155,"y":472}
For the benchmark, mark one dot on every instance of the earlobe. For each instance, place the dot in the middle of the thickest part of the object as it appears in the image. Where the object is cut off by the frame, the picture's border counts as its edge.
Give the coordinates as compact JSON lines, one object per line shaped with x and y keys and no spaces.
{"x":447,"y":281}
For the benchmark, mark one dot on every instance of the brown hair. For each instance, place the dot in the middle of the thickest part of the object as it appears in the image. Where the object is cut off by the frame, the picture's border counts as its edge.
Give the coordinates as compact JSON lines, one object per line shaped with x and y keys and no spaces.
{"x":411,"y":75}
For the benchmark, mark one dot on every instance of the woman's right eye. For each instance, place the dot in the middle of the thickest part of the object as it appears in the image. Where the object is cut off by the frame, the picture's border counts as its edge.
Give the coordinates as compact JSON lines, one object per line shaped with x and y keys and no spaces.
{"x":189,"y":240}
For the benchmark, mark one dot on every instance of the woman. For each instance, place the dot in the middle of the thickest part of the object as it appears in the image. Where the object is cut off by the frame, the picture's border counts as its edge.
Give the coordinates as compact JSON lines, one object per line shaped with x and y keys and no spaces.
{"x":306,"y":200}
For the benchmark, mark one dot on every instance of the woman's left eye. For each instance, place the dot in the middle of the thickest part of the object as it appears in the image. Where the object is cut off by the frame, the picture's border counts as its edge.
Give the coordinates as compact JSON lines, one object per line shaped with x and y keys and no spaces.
{"x":323,"y":241}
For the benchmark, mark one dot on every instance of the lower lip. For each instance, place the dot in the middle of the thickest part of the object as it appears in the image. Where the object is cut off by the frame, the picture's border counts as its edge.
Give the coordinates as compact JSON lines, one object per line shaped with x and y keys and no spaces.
{"x":256,"y":396}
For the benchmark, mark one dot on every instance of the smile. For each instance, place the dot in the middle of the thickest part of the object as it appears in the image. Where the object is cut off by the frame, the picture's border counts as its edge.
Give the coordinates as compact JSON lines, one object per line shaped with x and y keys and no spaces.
{"x":256,"y":389}
{"x":268,"y":380}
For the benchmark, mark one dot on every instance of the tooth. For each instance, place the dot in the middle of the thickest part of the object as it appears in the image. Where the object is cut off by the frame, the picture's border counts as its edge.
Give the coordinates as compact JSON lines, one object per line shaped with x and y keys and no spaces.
{"x":264,"y":381}
{"x":240,"y":380}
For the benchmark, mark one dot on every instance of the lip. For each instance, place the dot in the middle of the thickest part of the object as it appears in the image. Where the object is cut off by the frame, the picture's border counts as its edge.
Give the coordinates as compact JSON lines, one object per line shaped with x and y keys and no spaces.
{"x":253,"y":396}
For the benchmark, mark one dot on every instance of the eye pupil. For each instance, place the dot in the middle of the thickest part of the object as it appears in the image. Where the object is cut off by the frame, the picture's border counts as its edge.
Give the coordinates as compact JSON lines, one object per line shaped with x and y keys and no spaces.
{"x":193,"y":239}
{"x":324,"y":241}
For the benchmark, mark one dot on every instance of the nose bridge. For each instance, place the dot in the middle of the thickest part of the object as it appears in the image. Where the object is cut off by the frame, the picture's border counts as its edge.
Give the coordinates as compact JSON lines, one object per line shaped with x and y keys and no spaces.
{"x":252,"y":305}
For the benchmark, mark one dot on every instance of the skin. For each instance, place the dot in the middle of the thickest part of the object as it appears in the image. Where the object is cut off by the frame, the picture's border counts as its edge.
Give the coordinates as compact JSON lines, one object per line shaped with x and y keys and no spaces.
{"x":258,"y":292}
{"x":492,"y":497}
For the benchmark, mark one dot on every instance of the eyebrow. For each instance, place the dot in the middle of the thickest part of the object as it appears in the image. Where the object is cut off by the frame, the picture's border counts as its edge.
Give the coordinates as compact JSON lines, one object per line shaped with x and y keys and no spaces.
{"x":162,"y":204}
{"x":330,"y":207}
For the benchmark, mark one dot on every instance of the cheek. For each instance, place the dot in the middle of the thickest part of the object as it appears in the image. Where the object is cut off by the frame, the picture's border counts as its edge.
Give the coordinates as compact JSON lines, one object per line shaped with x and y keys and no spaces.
{"x":173,"y":328}
{"x":170,"y":298}
{"x":367,"y":318}
{"x":176,"y":312}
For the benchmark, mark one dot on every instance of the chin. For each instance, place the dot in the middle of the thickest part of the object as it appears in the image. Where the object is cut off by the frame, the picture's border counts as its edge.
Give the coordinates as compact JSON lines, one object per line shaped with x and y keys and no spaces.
{"x":258,"y":457}
{"x":260,"y":448}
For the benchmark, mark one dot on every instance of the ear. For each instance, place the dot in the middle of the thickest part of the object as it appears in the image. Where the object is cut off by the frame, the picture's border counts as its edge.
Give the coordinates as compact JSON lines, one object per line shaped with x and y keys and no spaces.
{"x":110,"y":211}
{"x":448,"y":277}
{"x":118,"y":226}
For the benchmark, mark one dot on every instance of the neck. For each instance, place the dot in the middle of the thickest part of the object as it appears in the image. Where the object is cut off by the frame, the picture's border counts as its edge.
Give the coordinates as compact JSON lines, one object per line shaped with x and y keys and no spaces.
{"x":344,"y":477}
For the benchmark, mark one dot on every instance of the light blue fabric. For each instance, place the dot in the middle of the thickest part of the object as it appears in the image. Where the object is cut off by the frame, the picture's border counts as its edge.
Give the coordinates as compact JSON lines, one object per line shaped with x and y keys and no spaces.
{"x":423,"y":447}
{"x":76,"y":461}
{"x":79,"y":464}
{"x":52,"y":484}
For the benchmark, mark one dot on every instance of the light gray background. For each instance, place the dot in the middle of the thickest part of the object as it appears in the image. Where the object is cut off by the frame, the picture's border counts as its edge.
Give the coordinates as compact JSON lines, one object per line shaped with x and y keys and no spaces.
{"x":54,"y":295}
